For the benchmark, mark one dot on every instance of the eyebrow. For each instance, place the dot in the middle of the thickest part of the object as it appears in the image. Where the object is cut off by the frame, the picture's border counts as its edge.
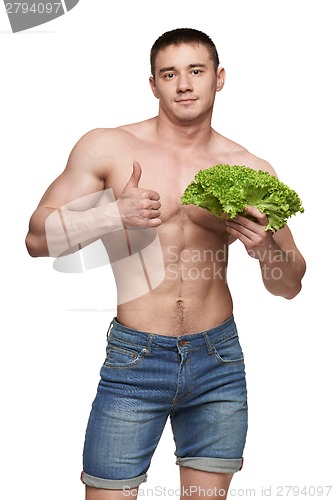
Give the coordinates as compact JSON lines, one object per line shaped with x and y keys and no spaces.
{"x":172,"y":68}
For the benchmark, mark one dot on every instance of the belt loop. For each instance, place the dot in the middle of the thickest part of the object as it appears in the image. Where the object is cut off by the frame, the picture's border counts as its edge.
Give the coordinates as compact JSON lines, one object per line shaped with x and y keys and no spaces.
{"x":149,"y":342}
{"x":208,"y":343}
{"x":109,"y":329}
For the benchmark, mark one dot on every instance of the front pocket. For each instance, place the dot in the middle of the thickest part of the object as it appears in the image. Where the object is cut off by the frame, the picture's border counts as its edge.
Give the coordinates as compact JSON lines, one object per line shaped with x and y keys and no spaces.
{"x":119,"y":355}
{"x":229,"y":350}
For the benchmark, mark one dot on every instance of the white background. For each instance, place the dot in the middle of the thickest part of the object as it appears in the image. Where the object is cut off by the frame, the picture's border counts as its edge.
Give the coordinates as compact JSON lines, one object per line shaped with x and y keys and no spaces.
{"x":90,"y":69}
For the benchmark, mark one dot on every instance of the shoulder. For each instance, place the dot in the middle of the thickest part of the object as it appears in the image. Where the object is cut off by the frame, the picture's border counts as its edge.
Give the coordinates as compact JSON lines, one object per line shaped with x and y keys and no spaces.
{"x":100,"y":146}
{"x":102,"y":140}
{"x":101,"y":149}
{"x":93,"y":152}
{"x":239,"y":155}
{"x":99,"y":140}
{"x":253,"y":161}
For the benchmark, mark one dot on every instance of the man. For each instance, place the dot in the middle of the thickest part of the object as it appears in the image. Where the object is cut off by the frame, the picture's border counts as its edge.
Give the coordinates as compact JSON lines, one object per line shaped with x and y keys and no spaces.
{"x":173,"y":349}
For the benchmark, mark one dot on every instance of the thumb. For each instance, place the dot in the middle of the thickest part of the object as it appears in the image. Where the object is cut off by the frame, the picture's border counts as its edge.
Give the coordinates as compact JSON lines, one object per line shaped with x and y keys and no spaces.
{"x":136,"y":175}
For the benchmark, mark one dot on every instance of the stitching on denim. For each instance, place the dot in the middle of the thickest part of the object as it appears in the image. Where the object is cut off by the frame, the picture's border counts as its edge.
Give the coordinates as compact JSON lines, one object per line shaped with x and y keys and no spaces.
{"x":113,"y":336}
{"x":124,"y":366}
{"x":208,"y":343}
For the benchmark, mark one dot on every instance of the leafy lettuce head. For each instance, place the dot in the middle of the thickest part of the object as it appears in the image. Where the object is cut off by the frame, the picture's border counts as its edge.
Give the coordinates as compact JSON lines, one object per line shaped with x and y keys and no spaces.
{"x":226,"y":190}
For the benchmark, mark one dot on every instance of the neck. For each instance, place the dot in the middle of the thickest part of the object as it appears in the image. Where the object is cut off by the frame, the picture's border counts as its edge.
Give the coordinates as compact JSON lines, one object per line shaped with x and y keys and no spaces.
{"x":185,"y":135}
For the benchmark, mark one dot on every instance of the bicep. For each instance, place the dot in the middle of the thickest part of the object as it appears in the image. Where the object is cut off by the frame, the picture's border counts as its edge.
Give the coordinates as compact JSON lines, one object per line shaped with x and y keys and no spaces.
{"x":67,"y":190}
{"x":71,"y":188}
{"x":82,"y":176}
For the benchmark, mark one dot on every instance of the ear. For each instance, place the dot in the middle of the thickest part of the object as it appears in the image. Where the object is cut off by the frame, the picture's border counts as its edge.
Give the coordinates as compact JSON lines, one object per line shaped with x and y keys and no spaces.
{"x":153,"y":86}
{"x":220,"y":79}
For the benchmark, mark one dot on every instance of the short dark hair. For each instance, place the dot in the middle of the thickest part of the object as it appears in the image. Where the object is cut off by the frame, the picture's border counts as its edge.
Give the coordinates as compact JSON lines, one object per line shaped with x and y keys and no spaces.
{"x":179,"y":36}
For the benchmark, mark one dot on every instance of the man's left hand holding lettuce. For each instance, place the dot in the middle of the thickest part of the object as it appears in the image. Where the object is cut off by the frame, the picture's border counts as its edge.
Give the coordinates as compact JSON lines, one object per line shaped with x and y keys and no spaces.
{"x":226,"y":191}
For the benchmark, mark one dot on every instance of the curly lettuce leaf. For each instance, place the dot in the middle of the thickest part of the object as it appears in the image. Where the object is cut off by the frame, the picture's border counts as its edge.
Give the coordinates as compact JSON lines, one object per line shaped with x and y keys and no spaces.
{"x":226,"y":190}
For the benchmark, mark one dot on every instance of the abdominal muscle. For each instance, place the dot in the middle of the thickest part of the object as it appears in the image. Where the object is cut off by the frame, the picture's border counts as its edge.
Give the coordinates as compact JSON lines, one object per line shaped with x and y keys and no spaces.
{"x":174,"y":283}
{"x":167,"y":314}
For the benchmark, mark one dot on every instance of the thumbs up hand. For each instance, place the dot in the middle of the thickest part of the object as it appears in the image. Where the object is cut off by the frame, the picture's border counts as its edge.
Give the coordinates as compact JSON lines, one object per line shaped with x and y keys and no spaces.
{"x":139,"y":207}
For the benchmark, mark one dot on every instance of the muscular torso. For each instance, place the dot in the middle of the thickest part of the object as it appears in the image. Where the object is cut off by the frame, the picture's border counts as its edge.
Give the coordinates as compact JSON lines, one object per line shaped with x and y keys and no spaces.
{"x":171,"y":280}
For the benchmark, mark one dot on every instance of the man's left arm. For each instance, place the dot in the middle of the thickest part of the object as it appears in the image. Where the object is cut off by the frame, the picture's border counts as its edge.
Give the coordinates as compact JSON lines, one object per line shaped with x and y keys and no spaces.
{"x":282,"y":265}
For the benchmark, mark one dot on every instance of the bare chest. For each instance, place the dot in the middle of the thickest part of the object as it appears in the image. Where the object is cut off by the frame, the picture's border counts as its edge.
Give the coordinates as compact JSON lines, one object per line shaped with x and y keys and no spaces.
{"x":168,"y":174}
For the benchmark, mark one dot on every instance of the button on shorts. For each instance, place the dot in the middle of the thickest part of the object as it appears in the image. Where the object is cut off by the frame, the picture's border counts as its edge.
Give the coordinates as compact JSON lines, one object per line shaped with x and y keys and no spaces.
{"x":197,"y":380}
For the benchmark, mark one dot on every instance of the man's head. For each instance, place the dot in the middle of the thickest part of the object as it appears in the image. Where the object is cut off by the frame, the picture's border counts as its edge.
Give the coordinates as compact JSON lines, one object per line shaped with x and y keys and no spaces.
{"x":180,"y":36}
{"x":185,"y":76}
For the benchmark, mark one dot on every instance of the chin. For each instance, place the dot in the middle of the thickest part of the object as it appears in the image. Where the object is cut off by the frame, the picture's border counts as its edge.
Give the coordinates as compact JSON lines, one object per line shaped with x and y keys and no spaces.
{"x":190,"y":118}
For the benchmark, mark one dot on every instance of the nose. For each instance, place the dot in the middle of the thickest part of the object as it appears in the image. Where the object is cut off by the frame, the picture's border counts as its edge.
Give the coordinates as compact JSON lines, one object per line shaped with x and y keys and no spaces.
{"x":184,"y":83}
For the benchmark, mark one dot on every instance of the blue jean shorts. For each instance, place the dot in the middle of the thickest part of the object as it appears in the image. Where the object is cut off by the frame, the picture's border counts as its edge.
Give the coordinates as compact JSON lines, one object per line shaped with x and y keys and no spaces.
{"x":197,"y":380}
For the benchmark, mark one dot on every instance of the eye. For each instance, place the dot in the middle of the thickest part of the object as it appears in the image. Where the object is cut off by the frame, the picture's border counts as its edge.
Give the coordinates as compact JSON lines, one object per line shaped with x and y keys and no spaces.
{"x":169,"y":76}
{"x":197,"y":71}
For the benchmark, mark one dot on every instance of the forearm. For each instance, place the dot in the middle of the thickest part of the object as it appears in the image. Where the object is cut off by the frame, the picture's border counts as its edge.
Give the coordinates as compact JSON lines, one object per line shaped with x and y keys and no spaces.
{"x":68,"y":231}
{"x":56,"y":232}
{"x":282,"y":265}
{"x":64,"y":230}
{"x":282,"y":271}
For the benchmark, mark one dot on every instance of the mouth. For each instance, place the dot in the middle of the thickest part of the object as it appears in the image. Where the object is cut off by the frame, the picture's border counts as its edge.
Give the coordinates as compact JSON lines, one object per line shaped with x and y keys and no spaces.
{"x":185,"y":101}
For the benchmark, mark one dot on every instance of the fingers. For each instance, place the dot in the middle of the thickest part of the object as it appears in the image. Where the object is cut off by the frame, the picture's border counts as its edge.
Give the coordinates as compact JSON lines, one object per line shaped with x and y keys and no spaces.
{"x":252,"y":234}
{"x":155,"y":205}
{"x":148,"y":194}
{"x":238,"y":230}
{"x":139,"y":207}
{"x":136,"y":175}
{"x":251,"y":221}
{"x":248,"y":228}
{"x":153,"y":195}
{"x":146,"y":218}
{"x":147,"y":202}
{"x":251,"y":231}
{"x":154,"y":222}
{"x":245,"y":226}
{"x":134,"y":182}
{"x":254,"y":212}
{"x":151,"y":209}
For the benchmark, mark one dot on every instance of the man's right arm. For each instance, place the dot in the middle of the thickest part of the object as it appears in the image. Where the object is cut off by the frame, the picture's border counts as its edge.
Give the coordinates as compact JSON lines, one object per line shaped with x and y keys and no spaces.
{"x":60,"y":209}
{"x":77,"y":209}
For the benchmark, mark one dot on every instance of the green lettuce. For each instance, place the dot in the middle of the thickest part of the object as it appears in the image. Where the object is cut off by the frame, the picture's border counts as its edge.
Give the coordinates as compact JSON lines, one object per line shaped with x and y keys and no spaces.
{"x":226,"y":190}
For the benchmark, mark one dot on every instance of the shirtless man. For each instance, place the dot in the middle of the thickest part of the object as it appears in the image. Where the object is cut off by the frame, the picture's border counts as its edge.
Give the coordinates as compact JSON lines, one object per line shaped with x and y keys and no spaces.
{"x":173,"y":349}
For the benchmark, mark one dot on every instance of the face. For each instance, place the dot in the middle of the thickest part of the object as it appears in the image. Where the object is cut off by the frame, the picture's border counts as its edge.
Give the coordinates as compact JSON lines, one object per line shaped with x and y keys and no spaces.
{"x":186,"y":83}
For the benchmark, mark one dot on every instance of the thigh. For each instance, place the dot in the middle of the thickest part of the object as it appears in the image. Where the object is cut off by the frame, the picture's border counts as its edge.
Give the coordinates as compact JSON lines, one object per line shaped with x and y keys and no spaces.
{"x":125,"y":422}
{"x":210,"y":424}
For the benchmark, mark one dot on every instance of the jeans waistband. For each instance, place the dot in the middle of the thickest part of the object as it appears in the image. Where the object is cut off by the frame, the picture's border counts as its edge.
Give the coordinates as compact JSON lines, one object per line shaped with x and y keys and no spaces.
{"x":191,"y":340}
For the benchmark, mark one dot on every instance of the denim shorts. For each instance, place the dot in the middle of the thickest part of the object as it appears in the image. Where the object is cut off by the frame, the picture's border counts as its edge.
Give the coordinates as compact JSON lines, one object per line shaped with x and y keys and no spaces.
{"x":197,"y":380}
